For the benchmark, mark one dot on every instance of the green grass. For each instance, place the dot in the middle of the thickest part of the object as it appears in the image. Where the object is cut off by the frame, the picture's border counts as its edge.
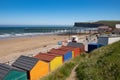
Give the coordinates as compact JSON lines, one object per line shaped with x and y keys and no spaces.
{"x":103,"y":64}
{"x":100,"y":64}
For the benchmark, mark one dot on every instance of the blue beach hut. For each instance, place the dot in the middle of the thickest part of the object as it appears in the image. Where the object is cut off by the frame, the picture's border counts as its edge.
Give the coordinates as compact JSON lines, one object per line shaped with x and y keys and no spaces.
{"x":66,"y":55}
{"x":93,"y":46}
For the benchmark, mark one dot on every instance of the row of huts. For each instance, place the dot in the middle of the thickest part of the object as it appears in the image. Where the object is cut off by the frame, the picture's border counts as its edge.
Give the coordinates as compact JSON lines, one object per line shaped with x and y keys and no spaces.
{"x":33,"y":68}
{"x":103,"y":41}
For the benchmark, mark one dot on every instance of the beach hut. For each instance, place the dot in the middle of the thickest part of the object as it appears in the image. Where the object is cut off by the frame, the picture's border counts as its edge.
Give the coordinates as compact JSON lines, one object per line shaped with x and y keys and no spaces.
{"x":93,"y":46}
{"x":53,"y":61}
{"x":64,"y":48}
{"x":65,"y":54}
{"x":105,"y":40}
{"x":10,"y":73}
{"x":77,"y":45}
{"x":75,"y":50}
{"x":34,"y":67}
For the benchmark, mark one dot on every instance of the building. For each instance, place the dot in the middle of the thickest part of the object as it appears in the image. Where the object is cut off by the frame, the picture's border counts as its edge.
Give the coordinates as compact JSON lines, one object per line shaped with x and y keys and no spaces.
{"x":10,"y":73}
{"x":66,"y":55}
{"x":105,"y":40}
{"x":116,"y":31}
{"x":53,"y":61}
{"x":117,"y":26}
{"x":75,"y":50}
{"x":93,"y":46}
{"x":32,"y":66}
{"x":104,"y":29}
{"x":77,"y":45}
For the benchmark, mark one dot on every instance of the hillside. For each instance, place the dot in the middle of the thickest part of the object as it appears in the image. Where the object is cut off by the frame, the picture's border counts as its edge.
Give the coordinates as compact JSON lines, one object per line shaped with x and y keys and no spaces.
{"x":96,"y":24}
{"x":103,"y":64}
{"x":109,"y":23}
{"x":100,"y":64}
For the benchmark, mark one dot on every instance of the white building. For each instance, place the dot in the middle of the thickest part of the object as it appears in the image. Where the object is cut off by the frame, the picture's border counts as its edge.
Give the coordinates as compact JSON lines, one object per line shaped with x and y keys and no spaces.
{"x":105,"y":40}
{"x":118,"y":26}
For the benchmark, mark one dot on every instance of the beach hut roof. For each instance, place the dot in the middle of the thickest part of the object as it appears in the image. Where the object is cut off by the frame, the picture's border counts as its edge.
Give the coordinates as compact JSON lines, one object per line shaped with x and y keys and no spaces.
{"x":57,"y":51}
{"x":26,"y":63}
{"x":45,"y":57}
{"x":4,"y":70}
{"x":67,"y":48}
{"x":73,"y":44}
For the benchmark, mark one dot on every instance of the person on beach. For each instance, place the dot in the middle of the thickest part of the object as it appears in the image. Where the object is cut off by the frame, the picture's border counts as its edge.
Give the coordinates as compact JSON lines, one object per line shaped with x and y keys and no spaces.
{"x":97,"y":36}
{"x":87,"y":39}
{"x":73,"y":40}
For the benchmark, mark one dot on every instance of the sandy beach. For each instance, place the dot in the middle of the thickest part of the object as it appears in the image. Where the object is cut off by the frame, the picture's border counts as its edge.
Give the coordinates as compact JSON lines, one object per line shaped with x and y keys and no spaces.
{"x":11,"y":49}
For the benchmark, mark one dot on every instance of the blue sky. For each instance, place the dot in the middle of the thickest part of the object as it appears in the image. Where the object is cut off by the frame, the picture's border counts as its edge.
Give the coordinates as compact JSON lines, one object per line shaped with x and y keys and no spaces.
{"x":57,"y":12}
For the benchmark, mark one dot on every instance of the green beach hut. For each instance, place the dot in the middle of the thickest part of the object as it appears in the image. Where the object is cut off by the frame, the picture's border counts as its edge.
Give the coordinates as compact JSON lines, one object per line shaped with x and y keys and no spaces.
{"x":10,"y":73}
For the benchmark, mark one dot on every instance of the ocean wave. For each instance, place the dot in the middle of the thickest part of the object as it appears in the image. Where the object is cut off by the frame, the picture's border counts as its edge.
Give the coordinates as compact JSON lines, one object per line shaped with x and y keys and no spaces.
{"x":13,"y":35}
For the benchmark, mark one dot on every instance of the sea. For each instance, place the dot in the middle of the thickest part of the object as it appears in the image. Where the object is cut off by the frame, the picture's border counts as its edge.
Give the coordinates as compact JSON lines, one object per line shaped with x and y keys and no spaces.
{"x":13,"y":31}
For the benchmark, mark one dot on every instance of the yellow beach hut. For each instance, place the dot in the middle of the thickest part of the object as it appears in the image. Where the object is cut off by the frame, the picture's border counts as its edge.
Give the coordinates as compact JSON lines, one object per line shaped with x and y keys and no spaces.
{"x":54,"y":61}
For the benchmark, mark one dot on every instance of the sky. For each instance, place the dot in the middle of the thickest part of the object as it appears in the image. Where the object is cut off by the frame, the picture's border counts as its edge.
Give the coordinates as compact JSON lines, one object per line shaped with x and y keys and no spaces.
{"x":57,"y":12}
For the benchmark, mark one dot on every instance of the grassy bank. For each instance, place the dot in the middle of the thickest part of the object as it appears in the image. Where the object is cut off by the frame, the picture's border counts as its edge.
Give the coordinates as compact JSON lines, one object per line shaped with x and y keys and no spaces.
{"x":103,"y":64}
{"x":64,"y":71}
{"x":100,"y":64}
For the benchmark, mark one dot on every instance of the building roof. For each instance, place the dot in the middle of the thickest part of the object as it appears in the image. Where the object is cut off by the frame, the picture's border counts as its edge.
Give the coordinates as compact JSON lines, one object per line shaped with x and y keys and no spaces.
{"x":93,"y":44}
{"x":73,"y":44}
{"x":66,"y":48}
{"x":45,"y":57}
{"x":71,"y":47}
{"x":57,"y":51}
{"x":4,"y":70}
{"x":25,"y":63}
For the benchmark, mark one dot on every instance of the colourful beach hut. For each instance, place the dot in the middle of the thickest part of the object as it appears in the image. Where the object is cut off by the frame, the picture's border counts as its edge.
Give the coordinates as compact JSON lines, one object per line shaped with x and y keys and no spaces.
{"x":105,"y":40}
{"x":34,"y":67}
{"x":68,"y":50}
{"x":53,"y":61}
{"x":65,"y":54}
{"x":77,"y":45}
{"x":75,"y":50}
{"x":93,"y":46}
{"x":10,"y":73}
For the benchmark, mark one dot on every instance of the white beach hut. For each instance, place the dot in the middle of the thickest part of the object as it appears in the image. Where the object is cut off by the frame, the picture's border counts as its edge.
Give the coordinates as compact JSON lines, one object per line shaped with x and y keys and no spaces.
{"x":105,"y":40}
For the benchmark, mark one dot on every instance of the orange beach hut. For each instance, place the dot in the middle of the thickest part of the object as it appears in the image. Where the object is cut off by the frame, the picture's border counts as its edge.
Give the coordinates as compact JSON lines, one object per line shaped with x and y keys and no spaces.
{"x":75,"y":51}
{"x":32,"y":66}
